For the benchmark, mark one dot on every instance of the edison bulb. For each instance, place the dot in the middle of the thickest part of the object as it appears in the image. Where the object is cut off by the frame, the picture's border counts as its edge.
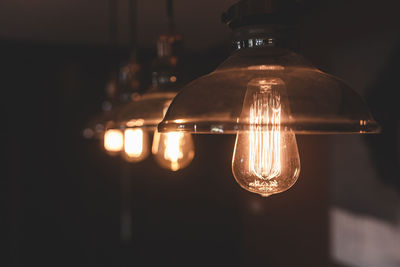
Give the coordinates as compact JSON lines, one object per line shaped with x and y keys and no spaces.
{"x":173,"y":150}
{"x":265,"y":159}
{"x":113,"y":141}
{"x":136,"y":145}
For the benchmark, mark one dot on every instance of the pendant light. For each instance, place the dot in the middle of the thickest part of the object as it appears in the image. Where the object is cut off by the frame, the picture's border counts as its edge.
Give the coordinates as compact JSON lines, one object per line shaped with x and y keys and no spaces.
{"x":123,"y":85}
{"x":102,"y":127}
{"x":265,"y":94}
{"x":128,"y":87}
{"x":119,"y":91}
{"x":172,"y":150}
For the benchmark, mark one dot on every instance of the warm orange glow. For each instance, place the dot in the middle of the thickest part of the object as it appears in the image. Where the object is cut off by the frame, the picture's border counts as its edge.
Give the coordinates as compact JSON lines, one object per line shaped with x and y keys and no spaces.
{"x":136,"y":145}
{"x":113,"y":140}
{"x":135,"y":123}
{"x":156,"y":142}
{"x":266,"y":67}
{"x":265,"y":144}
{"x":265,"y":159}
{"x":172,"y":79}
{"x":173,"y":150}
{"x":133,"y":142}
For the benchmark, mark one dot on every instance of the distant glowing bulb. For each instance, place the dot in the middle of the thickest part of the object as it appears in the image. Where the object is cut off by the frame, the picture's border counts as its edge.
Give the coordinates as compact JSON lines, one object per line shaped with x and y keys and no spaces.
{"x":136,"y":145}
{"x":133,"y":142}
{"x":265,"y":159}
{"x":173,"y":150}
{"x":113,"y":140}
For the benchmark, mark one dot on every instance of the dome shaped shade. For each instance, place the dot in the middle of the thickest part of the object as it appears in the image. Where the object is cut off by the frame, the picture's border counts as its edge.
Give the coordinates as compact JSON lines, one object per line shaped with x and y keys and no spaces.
{"x":145,"y":111}
{"x":318,"y":102}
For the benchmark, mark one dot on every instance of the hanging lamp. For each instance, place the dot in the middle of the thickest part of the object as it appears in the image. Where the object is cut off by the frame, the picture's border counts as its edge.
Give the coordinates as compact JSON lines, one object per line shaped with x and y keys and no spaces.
{"x":128,"y":86}
{"x":123,"y":85}
{"x":95,"y":127}
{"x":173,"y":150}
{"x":265,"y":94}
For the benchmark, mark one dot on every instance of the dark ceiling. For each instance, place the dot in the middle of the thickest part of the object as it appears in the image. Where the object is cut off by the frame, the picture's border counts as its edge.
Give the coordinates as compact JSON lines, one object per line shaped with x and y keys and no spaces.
{"x":87,"y":22}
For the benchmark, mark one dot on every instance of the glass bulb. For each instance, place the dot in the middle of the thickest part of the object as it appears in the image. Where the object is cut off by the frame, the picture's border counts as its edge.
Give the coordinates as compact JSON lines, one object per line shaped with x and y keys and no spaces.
{"x":113,"y":141}
{"x":265,"y":159}
{"x":136,"y":145}
{"x":173,"y":150}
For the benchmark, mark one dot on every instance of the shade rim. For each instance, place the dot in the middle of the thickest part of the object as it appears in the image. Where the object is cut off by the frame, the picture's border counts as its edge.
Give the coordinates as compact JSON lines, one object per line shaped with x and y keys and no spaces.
{"x":317,"y":127}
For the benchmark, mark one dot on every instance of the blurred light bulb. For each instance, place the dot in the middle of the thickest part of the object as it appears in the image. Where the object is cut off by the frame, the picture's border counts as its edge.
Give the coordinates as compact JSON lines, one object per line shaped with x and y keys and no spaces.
{"x":113,"y":140}
{"x":265,"y":159}
{"x":173,"y":150}
{"x":136,"y":145}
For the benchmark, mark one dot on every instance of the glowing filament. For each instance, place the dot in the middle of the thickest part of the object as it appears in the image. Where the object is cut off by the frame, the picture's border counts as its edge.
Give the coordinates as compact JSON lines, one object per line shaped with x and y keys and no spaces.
{"x":133,"y":142}
{"x":173,"y":150}
{"x":265,"y":136}
{"x":113,"y":140}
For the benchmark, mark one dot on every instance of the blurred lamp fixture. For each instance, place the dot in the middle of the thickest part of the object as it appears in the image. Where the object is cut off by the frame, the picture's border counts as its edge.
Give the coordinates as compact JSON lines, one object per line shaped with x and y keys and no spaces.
{"x":265,"y":94}
{"x":128,"y":116}
{"x":172,"y":150}
{"x":119,"y":93}
{"x":119,"y":90}
{"x":136,"y":144}
{"x":127,"y":86}
{"x":101,"y":126}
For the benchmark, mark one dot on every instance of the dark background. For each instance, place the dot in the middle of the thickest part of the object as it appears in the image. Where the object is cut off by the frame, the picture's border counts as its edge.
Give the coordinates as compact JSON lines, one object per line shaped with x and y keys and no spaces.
{"x":63,"y":194}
